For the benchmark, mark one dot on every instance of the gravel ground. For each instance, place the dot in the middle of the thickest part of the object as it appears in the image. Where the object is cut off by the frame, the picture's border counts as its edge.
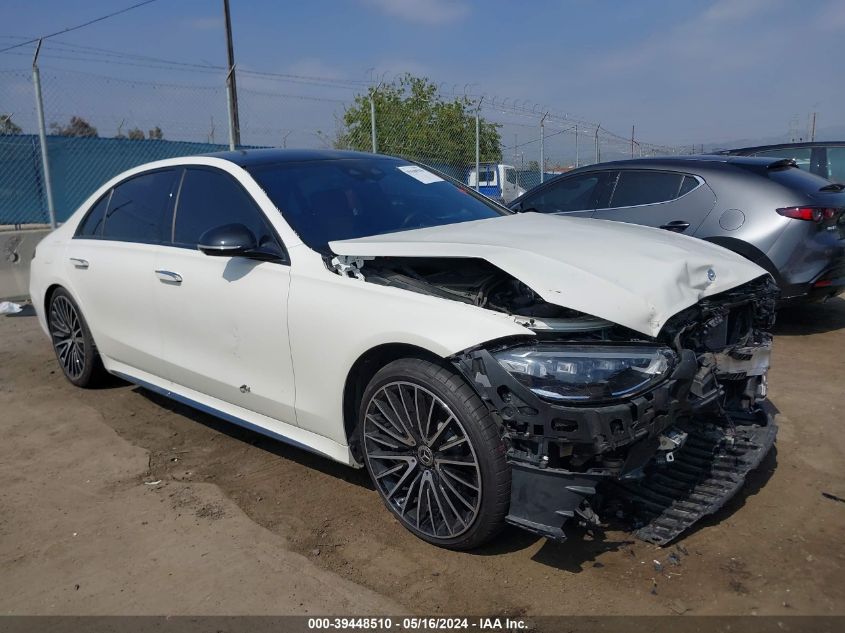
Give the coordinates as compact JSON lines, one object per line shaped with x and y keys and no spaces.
{"x":239,"y":524}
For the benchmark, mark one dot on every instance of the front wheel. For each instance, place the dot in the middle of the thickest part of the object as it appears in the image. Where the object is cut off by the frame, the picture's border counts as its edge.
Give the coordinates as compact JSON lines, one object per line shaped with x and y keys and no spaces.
{"x":434,"y":453}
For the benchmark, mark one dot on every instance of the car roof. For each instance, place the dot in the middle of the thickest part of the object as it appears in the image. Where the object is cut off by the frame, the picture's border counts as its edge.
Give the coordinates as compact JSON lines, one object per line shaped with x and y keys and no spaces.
{"x":776,"y":146}
{"x":696,"y":161}
{"x":250,"y":157}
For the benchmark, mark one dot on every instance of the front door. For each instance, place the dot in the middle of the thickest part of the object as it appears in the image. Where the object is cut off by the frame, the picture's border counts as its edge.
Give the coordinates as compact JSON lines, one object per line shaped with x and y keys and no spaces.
{"x":224,"y":319}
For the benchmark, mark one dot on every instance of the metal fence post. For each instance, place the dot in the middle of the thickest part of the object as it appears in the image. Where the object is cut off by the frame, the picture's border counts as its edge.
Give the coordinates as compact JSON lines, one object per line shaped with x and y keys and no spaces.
{"x":598,"y":154}
{"x":576,"y":146}
{"x":542,"y":147}
{"x":478,"y":145}
{"x":42,"y":137}
{"x":232,"y":141}
{"x":373,"y":121}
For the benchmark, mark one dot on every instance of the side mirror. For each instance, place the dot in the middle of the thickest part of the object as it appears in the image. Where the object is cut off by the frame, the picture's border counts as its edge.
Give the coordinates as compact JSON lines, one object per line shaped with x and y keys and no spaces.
{"x":227,"y":240}
{"x":517,"y":208}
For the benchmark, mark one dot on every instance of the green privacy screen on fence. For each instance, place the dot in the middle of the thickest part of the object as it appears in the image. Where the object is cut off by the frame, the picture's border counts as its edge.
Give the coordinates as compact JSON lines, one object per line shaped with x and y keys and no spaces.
{"x":78,"y":166}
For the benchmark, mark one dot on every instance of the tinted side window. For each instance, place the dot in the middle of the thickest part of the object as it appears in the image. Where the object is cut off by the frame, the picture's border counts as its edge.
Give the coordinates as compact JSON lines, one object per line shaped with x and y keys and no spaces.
{"x":209,"y":199}
{"x":645,"y":187}
{"x":92,"y":223}
{"x":568,"y":194}
{"x":139,"y":210}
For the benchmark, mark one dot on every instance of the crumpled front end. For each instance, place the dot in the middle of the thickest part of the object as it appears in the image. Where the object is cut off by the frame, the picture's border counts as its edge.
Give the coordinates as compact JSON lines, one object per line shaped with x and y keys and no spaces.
{"x":664,"y":429}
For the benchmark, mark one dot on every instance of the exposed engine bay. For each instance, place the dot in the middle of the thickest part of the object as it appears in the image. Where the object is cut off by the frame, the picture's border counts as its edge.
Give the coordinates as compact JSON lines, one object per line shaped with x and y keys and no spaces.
{"x":599,"y":419}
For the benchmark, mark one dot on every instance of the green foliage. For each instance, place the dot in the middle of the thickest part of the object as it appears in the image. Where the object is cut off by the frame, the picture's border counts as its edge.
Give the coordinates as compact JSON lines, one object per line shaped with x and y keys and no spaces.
{"x":135,"y":134}
{"x":413,"y":121}
{"x":77,"y":127}
{"x":7,"y":126}
{"x":155,"y":134}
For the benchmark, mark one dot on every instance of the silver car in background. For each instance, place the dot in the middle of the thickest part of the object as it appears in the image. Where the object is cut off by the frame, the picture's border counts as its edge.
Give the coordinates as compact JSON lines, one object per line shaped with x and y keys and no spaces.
{"x":784,"y":219}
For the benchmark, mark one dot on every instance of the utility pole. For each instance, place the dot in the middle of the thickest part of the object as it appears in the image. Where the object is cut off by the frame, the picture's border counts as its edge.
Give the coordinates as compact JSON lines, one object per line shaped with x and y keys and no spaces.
{"x":231,"y":85}
{"x":813,"y":128}
{"x":632,"y":141}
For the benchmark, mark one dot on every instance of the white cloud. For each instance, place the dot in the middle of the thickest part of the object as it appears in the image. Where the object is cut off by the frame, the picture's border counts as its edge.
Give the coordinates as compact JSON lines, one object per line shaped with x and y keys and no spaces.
{"x":735,"y":10}
{"x":206,"y":23}
{"x":430,"y":12}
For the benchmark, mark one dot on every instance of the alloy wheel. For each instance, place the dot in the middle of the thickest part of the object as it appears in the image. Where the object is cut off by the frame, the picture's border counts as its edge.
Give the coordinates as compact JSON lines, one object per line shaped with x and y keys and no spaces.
{"x":68,"y":337}
{"x":422,"y":460}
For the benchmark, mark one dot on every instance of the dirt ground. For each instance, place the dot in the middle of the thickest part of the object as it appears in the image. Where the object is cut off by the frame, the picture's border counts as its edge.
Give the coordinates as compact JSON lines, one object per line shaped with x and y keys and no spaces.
{"x":241,"y":524}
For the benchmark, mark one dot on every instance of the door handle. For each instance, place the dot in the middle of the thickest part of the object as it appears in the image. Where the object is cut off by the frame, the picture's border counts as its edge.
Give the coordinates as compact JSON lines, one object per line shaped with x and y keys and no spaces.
{"x":676,"y":226}
{"x":78,"y":262}
{"x":169,"y":277}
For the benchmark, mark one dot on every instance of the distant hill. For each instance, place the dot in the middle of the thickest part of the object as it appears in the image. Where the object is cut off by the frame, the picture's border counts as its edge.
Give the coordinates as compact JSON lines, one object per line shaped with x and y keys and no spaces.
{"x":832,"y":133}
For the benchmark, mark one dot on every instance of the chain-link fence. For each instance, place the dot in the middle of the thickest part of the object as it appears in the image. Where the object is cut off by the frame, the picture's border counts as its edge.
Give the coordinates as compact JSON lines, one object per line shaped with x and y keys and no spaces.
{"x":97,"y":125}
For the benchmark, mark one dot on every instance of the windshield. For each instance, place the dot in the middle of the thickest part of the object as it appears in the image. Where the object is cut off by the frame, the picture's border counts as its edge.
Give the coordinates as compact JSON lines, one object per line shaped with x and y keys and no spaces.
{"x":341,"y":199}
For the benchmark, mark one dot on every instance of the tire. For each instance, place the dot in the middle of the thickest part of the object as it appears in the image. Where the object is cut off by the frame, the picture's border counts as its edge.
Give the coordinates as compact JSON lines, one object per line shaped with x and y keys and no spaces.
{"x":434,"y":454}
{"x":72,"y":341}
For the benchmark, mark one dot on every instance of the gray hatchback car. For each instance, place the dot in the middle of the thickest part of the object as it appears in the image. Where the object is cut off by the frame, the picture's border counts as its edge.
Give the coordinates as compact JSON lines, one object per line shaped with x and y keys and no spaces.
{"x":790,"y":222}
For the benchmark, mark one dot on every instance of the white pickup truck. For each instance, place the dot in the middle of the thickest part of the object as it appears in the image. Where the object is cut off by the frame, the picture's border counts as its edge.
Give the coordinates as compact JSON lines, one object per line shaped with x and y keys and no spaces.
{"x":497,"y":181}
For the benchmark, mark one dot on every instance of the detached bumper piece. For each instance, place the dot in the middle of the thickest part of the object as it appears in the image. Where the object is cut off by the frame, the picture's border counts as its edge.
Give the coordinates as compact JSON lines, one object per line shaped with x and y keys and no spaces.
{"x":706,"y":472}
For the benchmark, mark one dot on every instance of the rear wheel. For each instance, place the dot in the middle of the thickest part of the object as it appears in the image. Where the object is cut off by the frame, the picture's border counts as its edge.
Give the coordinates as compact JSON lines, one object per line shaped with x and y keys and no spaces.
{"x":72,"y":341}
{"x":434,"y":454}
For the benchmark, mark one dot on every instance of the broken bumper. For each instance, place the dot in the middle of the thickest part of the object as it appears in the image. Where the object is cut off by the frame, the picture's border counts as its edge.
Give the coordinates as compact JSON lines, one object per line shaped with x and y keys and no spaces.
{"x":709,"y":469}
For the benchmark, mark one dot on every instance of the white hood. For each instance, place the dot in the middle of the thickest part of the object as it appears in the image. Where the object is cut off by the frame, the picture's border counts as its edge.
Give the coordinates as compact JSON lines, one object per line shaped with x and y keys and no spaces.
{"x":631,"y":275}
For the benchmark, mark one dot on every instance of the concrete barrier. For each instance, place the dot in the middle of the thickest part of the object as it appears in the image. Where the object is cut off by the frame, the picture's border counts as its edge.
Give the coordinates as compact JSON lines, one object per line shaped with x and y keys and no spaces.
{"x":17,"y":246}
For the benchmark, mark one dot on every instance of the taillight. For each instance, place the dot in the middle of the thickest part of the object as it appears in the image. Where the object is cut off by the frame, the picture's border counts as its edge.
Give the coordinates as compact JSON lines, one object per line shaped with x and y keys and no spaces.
{"x":811,"y":214}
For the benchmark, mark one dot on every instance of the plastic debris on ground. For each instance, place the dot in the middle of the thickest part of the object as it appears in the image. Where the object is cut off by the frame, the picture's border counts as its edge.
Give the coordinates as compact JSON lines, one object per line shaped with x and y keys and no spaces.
{"x":7,"y":307}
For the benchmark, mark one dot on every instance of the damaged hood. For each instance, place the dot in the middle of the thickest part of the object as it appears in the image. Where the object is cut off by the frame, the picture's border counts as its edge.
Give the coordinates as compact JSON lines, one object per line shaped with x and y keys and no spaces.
{"x":632,"y":275}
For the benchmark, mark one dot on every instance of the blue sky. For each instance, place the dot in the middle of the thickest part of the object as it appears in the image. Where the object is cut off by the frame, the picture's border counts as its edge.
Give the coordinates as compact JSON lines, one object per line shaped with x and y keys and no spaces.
{"x":682,"y":72}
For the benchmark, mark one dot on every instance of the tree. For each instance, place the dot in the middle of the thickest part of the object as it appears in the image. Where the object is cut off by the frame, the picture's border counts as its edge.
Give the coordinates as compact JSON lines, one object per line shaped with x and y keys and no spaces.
{"x":155,"y":134}
{"x":412,"y":120}
{"x":135,"y":134}
{"x":7,"y":126}
{"x":77,"y":127}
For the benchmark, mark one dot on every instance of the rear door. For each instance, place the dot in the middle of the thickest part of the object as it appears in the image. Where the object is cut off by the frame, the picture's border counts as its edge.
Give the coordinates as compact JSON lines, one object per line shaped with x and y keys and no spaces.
{"x":576,"y":195}
{"x":669,"y":200}
{"x":112,"y":267}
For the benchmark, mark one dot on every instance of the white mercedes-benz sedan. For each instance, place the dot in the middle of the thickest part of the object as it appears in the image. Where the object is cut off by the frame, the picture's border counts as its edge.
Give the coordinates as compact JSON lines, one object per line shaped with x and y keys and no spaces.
{"x":484,"y":366}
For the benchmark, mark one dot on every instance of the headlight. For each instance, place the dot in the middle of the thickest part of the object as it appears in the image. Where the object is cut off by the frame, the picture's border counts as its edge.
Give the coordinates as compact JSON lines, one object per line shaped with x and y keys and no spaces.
{"x":581,"y":373}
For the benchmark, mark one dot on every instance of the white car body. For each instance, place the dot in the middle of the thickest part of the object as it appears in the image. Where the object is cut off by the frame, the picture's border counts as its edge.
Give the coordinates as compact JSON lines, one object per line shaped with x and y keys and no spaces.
{"x":294,"y":347}
{"x":540,"y":354}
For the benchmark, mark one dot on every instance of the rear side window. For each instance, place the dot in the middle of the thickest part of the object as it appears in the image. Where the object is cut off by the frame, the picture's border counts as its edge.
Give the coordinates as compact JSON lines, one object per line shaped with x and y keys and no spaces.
{"x":92,"y":224}
{"x":636,"y":188}
{"x":801,"y":155}
{"x":139,"y":209}
{"x":687,"y":185}
{"x":577,"y":193}
{"x":210,"y":198}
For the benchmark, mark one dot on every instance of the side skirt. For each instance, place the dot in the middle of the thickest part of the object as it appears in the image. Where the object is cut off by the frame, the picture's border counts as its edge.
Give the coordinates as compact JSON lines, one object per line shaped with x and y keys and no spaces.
{"x":319,"y":445}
